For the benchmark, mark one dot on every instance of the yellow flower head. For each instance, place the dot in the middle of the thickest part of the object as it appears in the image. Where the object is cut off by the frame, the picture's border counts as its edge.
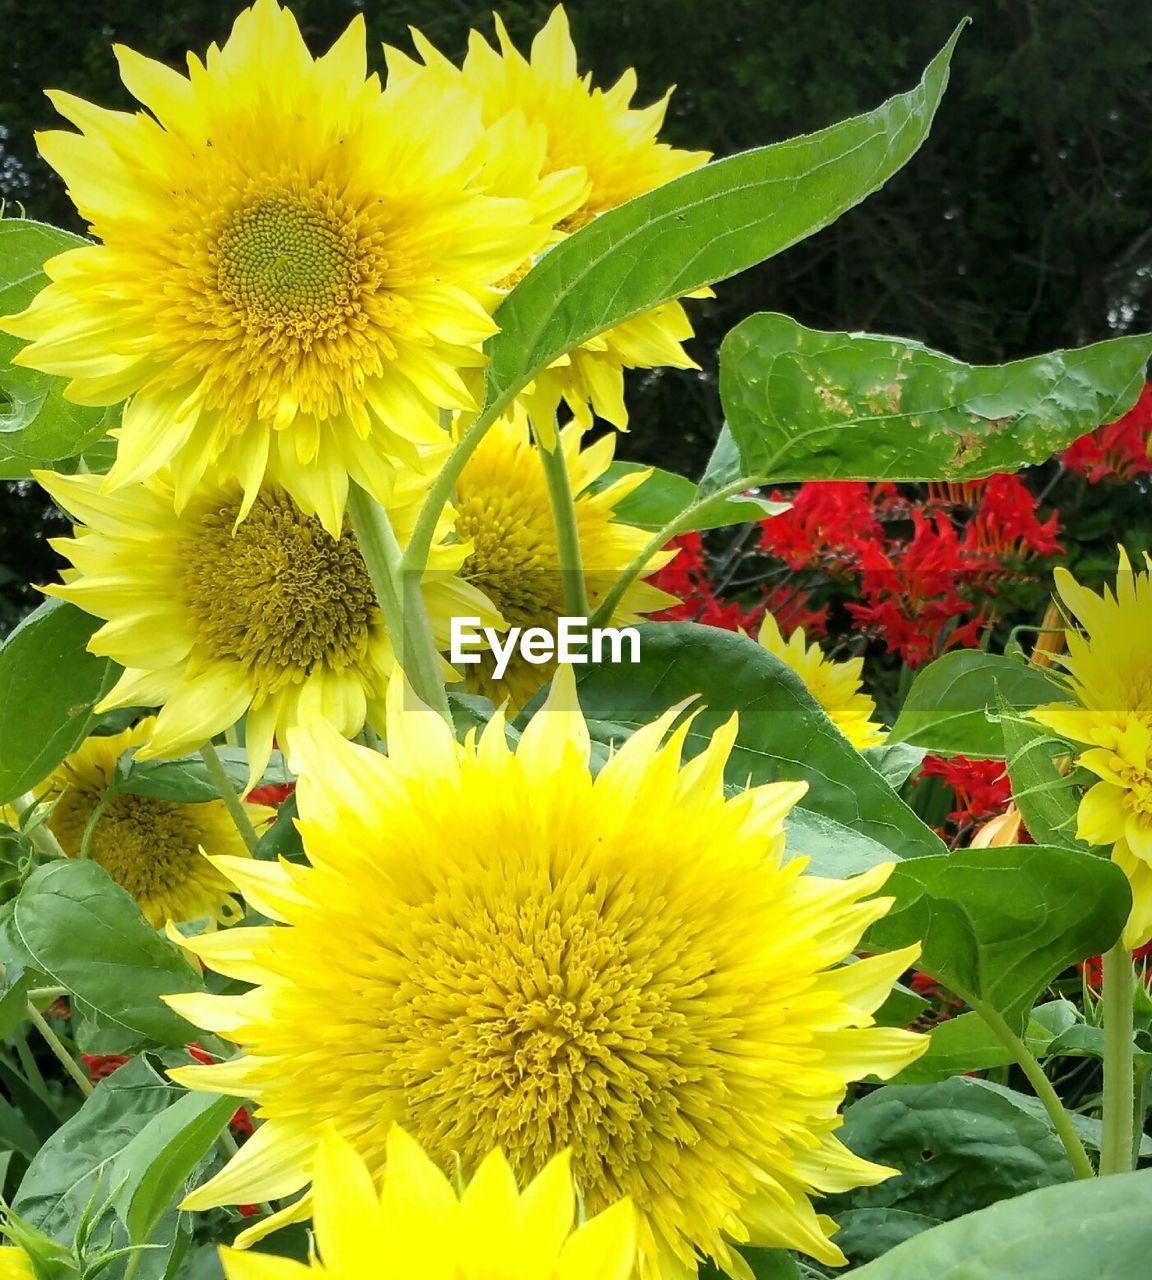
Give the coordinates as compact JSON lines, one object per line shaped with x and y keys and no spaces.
{"x":212,"y":620}
{"x":15,"y":1264}
{"x":1109,"y":661}
{"x":836,"y":686}
{"x":505,"y":515}
{"x":542,"y":102}
{"x":152,"y":848}
{"x":496,"y":948}
{"x":295,"y":265}
{"x":416,"y":1225}
{"x":1117,"y":811}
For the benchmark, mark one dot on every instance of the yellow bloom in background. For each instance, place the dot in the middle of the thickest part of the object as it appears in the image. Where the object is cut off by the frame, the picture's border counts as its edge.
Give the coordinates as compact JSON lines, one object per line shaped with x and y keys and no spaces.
{"x":150,"y":847}
{"x":836,"y":686}
{"x":294,"y":270}
{"x":588,"y":131}
{"x":417,"y":1225}
{"x":624,"y":966}
{"x":503,"y":512}
{"x":15,"y":1264}
{"x":272,"y":618}
{"x":1109,"y":674}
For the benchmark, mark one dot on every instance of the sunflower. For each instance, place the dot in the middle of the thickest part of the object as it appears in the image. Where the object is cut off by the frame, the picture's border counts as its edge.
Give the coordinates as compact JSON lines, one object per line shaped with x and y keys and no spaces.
{"x":1108,"y":669}
{"x":836,"y":686}
{"x":423,"y":1228}
{"x":503,"y":512}
{"x":623,"y":966}
{"x":295,"y":265}
{"x":543,"y":100}
{"x":150,"y":847}
{"x":15,"y":1264}
{"x":212,"y":620}
{"x":1117,"y":810}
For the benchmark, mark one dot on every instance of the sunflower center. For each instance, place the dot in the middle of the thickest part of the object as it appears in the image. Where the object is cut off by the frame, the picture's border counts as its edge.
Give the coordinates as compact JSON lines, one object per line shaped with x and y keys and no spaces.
{"x":511,"y":562}
{"x":544,"y":1022}
{"x":149,"y":847}
{"x":290,"y":262}
{"x":277,"y":593}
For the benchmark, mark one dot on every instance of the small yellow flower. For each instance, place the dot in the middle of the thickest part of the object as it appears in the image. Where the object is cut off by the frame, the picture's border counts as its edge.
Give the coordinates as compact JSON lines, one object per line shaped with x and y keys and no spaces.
{"x":587,"y":133}
{"x":152,"y":848}
{"x":272,"y":618}
{"x":1109,"y":674}
{"x":295,"y":266}
{"x":416,"y":1225}
{"x":623,"y":965}
{"x":503,"y":512}
{"x":836,"y":686}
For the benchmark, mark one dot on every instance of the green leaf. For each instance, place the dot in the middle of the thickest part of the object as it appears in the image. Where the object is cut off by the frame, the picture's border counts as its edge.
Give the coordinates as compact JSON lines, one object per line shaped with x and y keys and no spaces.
{"x":49,"y":683}
{"x":701,"y":228}
{"x":803,"y":404}
{"x":902,"y":1007}
{"x":152,"y":1169}
{"x":1047,"y":799}
{"x":784,"y":734}
{"x":665,"y":497}
{"x":896,"y":762}
{"x":87,"y":934}
{"x":80,"y":1161}
{"x":1096,"y":1227}
{"x":37,"y":425}
{"x":998,"y":925}
{"x":951,"y":705}
{"x":967,"y":1044}
{"x":186,"y":779}
{"x":832,"y":849}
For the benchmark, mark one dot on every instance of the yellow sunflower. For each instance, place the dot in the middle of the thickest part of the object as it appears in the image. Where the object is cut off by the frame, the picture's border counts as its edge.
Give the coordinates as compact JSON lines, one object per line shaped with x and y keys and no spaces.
{"x":543,"y":100}
{"x":495,"y":948}
{"x":15,"y":1264}
{"x":295,"y":265}
{"x":1108,"y":668}
{"x":421,"y":1227}
{"x":150,"y":847}
{"x":836,"y":686}
{"x":1117,"y":810}
{"x":272,"y":618}
{"x":503,"y":513}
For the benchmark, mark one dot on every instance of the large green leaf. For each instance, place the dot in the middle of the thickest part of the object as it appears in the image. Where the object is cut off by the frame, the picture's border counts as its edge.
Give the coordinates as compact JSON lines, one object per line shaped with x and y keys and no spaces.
{"x":951,"y":705}
{"x":967,"y":1043}
{"x":701,"y":228}
{"x":78,"y":926}
{"x":79,"y":1163}
{"x":1100,"y":1228}
{"x":37,"y":425}
{"x":784,"y":734}
{"x":49,"y":683}
{"x":802,"y":404}
{"x":997,"y":925}
{"x":1046,"y":798}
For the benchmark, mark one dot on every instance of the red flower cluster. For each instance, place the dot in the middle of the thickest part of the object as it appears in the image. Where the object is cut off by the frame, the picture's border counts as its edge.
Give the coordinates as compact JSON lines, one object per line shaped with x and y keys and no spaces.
{"x":101,"y":1065}
{"x":1118,"y":450}
{"x":981,"y":788}
{"x":273,"y":795}
{"x":943,"y":1006}
{"x":1093,"y":967}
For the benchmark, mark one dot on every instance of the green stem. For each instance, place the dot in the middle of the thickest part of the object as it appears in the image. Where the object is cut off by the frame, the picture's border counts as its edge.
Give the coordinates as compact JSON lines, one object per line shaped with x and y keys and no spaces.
{"x":39,"y":834}
{"x":90,"y":825}
{"x":1057,"y":1113}
{"x":1119,"y":1074}
{"x":567,"y":533}
{"x":654,"y":544}
{"x":401,"y":599}
{"x":235,"y":806}
{"x":53,"y":1041}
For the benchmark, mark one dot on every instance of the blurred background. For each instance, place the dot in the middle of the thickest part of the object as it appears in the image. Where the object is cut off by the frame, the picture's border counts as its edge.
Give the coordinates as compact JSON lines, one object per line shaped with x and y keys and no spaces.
{"x":1023,"y":225}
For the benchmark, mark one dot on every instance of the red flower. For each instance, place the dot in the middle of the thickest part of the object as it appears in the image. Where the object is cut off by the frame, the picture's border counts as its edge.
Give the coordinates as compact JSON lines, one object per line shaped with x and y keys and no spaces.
{"x":273,"y":795}
{"x":981,"y":788}
{"x":1119,"y":450}
{"x":101,"y":1065}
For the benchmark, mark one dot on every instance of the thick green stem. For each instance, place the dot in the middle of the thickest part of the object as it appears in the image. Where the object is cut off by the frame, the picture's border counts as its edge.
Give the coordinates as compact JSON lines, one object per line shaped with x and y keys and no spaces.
{"x":235,"y":806}
{"x":53,"y":1041}
{"x":567,"y":533}
{"x":1057,"y":1113}
{"x":1119,"y":1072}
{"x":401,"y":600}
{"x":654,"y":544}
